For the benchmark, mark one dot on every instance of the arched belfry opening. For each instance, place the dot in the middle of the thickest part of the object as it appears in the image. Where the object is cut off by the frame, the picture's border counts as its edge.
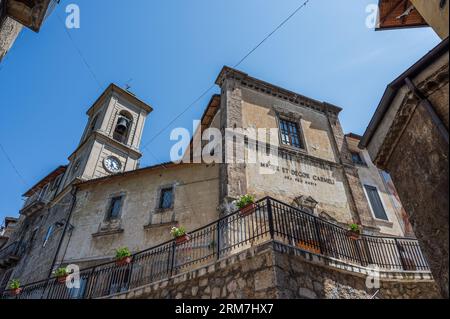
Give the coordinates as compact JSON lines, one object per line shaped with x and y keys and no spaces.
{"x":123,"y":127}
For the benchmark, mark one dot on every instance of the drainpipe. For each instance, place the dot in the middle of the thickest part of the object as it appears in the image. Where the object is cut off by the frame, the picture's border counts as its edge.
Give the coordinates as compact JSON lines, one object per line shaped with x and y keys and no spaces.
{"x":73,"y":192}
{"x":429,"y":108}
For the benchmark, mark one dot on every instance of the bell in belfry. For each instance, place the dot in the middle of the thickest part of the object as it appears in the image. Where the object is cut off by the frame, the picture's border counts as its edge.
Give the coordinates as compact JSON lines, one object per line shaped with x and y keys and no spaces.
{"x":122,"y":125}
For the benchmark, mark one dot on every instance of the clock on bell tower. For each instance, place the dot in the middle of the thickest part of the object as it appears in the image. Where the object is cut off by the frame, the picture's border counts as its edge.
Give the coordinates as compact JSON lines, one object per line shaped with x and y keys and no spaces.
{"x":110,"y":142}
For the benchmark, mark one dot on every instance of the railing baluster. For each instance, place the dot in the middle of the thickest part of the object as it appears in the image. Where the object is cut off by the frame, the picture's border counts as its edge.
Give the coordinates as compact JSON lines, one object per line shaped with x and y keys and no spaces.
{"x":270,"y":217}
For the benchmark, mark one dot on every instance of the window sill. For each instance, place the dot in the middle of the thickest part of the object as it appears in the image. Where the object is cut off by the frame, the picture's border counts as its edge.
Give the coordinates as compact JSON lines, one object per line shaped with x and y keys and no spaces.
{"x":153,"y":226}
{"x":288,"y":148}
{"x":163,"y":210}
{"x":108,"y":232}
{"x":384,"y":223}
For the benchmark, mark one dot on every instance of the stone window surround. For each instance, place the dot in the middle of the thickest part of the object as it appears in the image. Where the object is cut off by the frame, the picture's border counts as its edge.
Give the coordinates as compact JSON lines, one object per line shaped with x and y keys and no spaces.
{"x":110,"y":198}
{"x":111,"y":226}
{"x":387,"y":222}
{"x":159,"y":210}
{"x":292,"y":117}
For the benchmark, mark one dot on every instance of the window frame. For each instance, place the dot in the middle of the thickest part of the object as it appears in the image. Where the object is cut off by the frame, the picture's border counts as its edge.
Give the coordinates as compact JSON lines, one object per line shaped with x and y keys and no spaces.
{"x":298,"y":124}
{"x":108,"y":215}
{"x":170,"y":188}
{"x":362,"y":162}
{"x":366,"y":187}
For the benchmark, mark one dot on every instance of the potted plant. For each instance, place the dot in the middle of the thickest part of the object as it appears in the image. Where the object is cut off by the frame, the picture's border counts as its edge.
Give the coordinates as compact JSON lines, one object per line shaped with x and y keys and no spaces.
{"x":15,"y":287}
{"x":179,"y":233}
{"x":354,"y":231}
{"x":123,"y":256}
{"x":246,"y":205}
{"x":61,"y":274}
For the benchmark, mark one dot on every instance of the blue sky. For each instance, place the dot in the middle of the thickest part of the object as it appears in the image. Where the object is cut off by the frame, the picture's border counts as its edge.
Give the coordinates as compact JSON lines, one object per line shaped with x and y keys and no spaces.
{"x":173,"y":50}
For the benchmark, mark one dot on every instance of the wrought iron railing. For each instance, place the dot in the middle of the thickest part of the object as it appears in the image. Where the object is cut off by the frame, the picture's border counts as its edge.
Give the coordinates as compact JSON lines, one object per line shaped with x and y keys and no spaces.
{"x":269,"y":220}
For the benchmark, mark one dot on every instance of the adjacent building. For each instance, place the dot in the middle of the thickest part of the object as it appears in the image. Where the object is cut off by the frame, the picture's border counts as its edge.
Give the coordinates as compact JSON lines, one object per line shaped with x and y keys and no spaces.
{"x":408,"y":134}
{"x":16,"y":14}
{"x":395,"y":14}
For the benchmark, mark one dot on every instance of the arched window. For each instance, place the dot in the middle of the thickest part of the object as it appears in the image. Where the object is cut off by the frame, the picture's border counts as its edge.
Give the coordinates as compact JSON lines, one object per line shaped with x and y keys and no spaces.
{"x":123,"y":127}
{"x":93,"y":124}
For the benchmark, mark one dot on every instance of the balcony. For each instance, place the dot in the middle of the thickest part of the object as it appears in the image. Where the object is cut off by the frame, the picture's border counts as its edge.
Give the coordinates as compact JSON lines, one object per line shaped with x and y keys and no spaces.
{"x":11,"y":254}
{"x":33,"y":204}
{"x":269,"y":221}
{"x":30,"y":13}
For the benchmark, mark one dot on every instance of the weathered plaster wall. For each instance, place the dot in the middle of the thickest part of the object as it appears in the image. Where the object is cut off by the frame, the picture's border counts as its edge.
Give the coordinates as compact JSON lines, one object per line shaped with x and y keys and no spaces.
{"x":259,"y":111}
{"x":298,"y":176}
{"x":141,"y":224}
{"x":275,"y":271}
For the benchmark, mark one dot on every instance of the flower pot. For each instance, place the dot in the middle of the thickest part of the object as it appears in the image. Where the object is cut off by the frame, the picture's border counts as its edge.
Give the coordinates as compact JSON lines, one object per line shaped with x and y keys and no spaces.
{"x":353,"y":235}
{"x":62,"y":279}
{"x":309,"y":246}
{"x":182,"y":239}
{"x":123,"y":261}
{"x":247,"y":210}
{"x":16,"y":292}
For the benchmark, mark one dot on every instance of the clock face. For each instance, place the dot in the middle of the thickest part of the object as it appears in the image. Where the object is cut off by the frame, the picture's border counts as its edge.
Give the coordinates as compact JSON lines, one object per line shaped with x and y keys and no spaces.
{"x":112,"y":164}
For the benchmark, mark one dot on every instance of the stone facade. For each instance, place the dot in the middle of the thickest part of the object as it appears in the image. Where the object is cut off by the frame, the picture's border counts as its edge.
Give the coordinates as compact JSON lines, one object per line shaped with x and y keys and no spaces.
{"x":276,"y":271}
{"x":408,"y":137}
{"x":323,"y":169}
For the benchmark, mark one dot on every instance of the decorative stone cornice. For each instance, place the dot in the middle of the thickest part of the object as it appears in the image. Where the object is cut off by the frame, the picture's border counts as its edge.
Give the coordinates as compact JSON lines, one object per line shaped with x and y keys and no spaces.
{"x":101,"y":136}
{"x":263,"y":87}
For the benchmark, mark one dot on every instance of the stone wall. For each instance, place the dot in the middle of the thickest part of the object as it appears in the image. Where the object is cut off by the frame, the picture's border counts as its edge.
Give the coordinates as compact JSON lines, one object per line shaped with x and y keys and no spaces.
{"x":9,"y":30}
{"x":274,"y":270}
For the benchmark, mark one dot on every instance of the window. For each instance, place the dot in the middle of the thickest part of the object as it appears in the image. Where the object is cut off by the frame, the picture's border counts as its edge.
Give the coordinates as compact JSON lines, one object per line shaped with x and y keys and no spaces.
{"x":357,"y":159}
{"x":166,"y":199}
{"x":375,"y":203}
{"x":290,"y":134}
{"x":93,"y":124}
{"x":48,"y":235}
{"x":114,"y":208}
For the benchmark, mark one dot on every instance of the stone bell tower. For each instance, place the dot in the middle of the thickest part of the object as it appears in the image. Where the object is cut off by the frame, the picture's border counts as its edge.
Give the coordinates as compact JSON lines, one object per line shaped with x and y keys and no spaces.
{"x":111,"y":139}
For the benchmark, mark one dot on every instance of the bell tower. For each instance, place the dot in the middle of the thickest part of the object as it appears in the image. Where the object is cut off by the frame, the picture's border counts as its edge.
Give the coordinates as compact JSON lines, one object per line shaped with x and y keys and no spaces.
{"x":110,"y":142}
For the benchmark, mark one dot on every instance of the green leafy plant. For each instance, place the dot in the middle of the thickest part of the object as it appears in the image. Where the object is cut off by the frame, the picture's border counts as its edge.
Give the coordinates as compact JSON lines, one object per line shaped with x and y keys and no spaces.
{"x":15,"y":284}
{"x":178,"y":231}
{"x":123,"y":252}
{"x":354,"y":228}
{"x":245,"y":200}
{"x":61,"y":272}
